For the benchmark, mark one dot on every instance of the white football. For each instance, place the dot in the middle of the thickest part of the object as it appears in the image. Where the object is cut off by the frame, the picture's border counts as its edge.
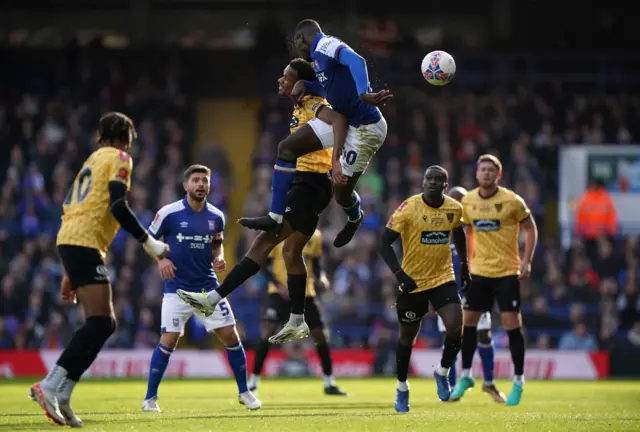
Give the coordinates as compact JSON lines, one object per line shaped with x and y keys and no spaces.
{"x":438,"y":68}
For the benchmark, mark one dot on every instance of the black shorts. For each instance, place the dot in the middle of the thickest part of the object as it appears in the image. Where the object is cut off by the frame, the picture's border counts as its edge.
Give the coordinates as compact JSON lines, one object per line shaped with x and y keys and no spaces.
{"x":278,"y":309}
{"x":413,"y":307}
{"x":83,"y":265}
{"x":309,"y":195}
{"x":485,"y":290}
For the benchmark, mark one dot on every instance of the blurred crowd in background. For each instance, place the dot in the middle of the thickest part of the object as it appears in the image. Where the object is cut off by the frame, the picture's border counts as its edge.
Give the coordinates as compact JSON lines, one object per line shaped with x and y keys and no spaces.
{"x":585,"y":298}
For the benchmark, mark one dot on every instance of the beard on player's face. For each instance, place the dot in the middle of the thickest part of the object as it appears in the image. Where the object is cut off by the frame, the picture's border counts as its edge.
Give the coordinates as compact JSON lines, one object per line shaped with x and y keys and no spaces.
{"x":198,"y":195}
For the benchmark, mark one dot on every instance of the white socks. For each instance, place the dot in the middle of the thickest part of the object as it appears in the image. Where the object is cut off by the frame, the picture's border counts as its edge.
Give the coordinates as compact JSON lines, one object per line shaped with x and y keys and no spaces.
{"x":519,"y":379}
{"x":442,"y":371}
{"x":214,"y":297}
{"x":296,"y":319}
{"x":276,"y":217}
{"x":403,"y":386}
{"x":66,"y":388}
{"x":54,"y":378}
{"x":329,"y":381}
{"x":467,"y":373}
{"x":254,"y":380}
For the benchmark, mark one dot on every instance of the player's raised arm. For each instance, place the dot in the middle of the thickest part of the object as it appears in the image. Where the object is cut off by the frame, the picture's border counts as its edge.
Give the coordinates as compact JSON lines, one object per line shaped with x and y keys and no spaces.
{"x":358,"y":67}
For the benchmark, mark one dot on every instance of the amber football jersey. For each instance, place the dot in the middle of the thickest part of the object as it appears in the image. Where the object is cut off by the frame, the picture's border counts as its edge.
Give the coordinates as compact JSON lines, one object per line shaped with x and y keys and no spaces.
{"x":318,"y":161}
{"x":311,"y":252}
{"x":87,"y":220}
{"x":426,"y":236}
{"x":495,"y":222}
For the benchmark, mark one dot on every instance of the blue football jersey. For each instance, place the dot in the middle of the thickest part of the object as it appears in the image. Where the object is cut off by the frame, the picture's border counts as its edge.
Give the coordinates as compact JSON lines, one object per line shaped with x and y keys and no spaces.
{"x":338,"y":82}
{"x":190,"y":235}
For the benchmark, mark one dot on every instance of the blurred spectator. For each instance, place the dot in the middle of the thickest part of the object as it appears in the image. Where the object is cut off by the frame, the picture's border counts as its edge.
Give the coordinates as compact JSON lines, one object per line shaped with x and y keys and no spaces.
{"x":596,"y":214}
{"x":578,"y":339}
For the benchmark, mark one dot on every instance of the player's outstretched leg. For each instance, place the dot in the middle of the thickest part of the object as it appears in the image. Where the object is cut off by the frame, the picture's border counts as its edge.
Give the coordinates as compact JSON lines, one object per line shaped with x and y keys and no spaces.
{"x":205,"y":303}
{"x":157,"y":368}
{"x":238,"y":361}
{"x":296,"y":328}
{"x":469,"y":343}
{"x":451,"y":315}
{"x":408,"y":333}
{"x":53,"y":393}
{"x":299,"y":143}
{"x":487,"y":355}
{"x":512,"y":323}
{"x":349,"y":199}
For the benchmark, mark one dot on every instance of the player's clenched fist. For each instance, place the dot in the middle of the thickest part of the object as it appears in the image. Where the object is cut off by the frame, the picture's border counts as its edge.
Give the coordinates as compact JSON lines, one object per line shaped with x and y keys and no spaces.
{"x":219,"y":264}
{"x":407,"y":284}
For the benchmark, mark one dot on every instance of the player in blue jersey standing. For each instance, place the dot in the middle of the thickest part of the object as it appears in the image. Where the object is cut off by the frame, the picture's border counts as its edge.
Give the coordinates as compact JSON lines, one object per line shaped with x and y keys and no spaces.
{"x":342,"y":77}
{"x":485,"y":342}
{"x":194,"y":230}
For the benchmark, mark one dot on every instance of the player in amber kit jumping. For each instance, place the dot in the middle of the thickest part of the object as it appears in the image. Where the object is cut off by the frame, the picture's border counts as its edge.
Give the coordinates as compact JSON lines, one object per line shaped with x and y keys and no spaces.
{"x":494,"y":216}
{"x":426,"y":224}
{"x":310,"y":193}
{"x":94,"y":209}
{"x":278,"y":307}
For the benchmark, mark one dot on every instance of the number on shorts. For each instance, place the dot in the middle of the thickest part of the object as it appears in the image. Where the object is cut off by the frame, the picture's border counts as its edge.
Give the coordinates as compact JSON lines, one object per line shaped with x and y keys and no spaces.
{"x":81,"y":185}
{"x":224,"y":307}
{"x":350,"y":157}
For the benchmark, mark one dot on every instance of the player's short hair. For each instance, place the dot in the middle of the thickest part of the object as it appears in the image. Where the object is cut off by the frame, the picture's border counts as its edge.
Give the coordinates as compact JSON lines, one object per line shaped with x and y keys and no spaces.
{"x":491,"y":158}
{"x":115,"y":126}
{"x":439,"y":168}
{"x":304,"y":69}
{"x":308,"y":23}
{"x":196,"y":169}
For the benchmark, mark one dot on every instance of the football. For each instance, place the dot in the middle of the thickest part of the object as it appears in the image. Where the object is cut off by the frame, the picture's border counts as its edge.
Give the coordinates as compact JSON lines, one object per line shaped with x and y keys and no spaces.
{"x":438,"y":68}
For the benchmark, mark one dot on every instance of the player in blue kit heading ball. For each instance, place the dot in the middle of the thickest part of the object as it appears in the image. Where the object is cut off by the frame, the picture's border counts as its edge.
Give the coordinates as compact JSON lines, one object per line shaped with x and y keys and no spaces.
{"x":342,"y":78}
{"x":194,"y":230}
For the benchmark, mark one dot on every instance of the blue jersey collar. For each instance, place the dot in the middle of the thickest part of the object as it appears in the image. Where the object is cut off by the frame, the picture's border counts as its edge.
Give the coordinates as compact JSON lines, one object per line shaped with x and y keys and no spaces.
{"x":190,"y":209}
{"x":316,"y":39}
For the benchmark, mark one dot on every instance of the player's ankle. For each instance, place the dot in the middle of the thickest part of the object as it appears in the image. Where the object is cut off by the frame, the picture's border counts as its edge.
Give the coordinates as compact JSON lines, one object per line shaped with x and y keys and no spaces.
{"x":466,"y":373}
{"x":296,"y":319}
{"x":276,"y":217}
{"x":519,"y":379}
{"x":403,"y":385}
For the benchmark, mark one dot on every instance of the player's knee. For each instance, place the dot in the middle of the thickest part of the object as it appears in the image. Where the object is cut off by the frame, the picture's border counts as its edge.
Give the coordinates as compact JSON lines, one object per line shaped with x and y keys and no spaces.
{"x":170,"y":340}
{"x":228,"y":335}
{"x":471,"y":318}
{"x":102,"y":326}
{"x":484,"y":337}
{"x":511,"y":320}
{"x":343,"y":195}
{"x":454,"y":330}
{"x":408,"y":334}
{"x":292,"y":257}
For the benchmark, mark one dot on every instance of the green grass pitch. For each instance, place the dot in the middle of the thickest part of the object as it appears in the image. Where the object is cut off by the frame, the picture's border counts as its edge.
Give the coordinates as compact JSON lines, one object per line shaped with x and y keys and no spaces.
{"x":300,"y":405}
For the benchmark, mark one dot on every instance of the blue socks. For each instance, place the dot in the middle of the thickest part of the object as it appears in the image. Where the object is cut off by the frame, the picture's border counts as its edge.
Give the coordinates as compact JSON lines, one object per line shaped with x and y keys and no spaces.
{"x":238,"y":362}
{"x":353,"y":210}
{"x":283,"y":174}
{"x":452,"y":373}
{"x":486,"y":356}
{"x":159,"y":362}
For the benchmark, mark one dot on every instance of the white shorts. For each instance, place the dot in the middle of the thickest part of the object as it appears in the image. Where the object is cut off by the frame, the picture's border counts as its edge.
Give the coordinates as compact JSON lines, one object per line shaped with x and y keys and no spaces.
{"x":483,"y":324}
{"x":176,"y":313}
{"x":359,"y":147}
